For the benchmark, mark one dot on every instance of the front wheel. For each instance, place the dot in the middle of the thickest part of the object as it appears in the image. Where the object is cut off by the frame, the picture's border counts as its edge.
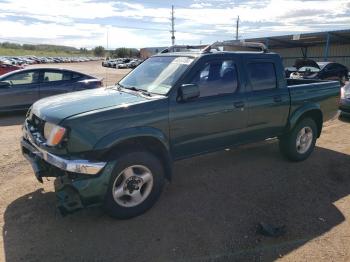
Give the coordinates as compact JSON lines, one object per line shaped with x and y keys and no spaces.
{"x":300,"y":142}
{"x":135,"y":185}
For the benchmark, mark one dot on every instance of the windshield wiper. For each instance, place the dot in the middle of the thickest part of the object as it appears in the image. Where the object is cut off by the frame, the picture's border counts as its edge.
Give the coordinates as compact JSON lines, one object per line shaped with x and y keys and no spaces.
{"x":142,"y":91}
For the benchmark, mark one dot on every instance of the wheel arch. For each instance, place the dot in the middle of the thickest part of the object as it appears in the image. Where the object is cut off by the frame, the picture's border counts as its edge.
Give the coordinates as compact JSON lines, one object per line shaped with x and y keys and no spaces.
{"x":145,"y":138}
{"x":312,"y":111}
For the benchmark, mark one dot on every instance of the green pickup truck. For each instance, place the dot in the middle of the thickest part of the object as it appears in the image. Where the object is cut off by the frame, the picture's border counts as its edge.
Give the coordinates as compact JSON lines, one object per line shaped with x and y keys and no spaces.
{"x":115,"y":146}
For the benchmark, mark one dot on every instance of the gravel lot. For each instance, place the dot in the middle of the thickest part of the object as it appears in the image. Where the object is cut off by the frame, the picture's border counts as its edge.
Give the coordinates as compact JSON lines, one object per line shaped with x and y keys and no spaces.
{"x":209,"y":211}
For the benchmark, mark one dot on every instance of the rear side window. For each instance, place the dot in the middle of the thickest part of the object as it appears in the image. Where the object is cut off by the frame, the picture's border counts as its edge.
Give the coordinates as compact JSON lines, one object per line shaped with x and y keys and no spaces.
{"x":76,"y":75}
{"x":217,"y":78}
{"x":262,"y":76}
{"x":51,"y":76}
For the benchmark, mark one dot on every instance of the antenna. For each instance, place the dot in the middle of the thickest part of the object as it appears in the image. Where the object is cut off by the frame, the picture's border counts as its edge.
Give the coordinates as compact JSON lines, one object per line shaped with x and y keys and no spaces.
{"x":237,"y":27}
{"x":172,"y":26}
{"x":106,"y":53}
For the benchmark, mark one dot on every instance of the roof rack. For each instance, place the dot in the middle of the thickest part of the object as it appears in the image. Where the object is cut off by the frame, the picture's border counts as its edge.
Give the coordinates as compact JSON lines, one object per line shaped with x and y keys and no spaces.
{"x":236,"y":43}
{"x":217,"y":45}
{"x":174,"y":47}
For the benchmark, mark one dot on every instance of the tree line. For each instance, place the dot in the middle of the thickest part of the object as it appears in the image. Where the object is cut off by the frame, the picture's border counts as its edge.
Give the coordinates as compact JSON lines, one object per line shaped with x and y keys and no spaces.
{"x":119,"y":52}
{"x":40,"y":47}
{"x":97,"y":51}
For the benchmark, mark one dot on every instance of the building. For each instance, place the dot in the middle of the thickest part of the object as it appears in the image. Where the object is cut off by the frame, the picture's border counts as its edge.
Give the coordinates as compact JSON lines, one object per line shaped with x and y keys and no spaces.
{"x":321,"y":46}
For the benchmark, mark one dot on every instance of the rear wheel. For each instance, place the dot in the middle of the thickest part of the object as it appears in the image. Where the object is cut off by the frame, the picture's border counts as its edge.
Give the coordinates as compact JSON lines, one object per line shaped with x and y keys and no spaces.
{"x":300,"y":142}
{"x":135,"y":185}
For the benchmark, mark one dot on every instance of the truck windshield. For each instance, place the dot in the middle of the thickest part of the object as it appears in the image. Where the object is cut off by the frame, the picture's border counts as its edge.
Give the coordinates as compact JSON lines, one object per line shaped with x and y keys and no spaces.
{"x":157,"y":74}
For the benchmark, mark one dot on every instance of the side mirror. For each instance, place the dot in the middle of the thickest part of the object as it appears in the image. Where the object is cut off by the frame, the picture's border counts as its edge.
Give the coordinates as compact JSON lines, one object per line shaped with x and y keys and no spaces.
{"x":5,"y":85}
{"x":188,"y":92}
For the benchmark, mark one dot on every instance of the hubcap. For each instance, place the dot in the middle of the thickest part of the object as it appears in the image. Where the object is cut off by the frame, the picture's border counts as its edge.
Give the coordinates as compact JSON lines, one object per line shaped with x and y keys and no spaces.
{"x":304,"y":140}
{"x":132,"y":186}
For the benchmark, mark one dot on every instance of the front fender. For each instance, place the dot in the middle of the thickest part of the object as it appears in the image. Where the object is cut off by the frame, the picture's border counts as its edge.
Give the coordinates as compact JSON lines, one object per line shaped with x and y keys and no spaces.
{"x":115,"y":138}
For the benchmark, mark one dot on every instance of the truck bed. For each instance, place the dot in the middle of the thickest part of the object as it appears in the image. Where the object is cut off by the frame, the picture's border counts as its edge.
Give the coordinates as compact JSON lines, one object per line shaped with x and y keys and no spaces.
{"x":323,"y":93}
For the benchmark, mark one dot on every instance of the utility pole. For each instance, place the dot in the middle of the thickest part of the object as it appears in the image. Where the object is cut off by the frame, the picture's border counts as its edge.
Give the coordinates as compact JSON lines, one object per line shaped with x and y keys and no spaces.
{"x":172,"y":26}
{"x":237,"y":27}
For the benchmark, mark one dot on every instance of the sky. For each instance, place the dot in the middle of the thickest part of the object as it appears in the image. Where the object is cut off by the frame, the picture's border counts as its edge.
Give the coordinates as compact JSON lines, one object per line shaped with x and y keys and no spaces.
{"x":137,"y":23}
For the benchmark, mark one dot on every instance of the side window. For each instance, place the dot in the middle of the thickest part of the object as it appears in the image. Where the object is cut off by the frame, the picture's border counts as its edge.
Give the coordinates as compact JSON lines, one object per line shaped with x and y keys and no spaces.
{"x":23,"y":78}
{"x":216,"y":78}
{"x":262,"y":76}
{"x":76,"y":75}
{"x":53,"y":76}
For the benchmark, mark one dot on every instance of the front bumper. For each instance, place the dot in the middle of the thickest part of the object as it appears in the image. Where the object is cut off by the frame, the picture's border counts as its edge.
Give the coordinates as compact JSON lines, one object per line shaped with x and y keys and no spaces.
{"x":79,"y":183}
{"x":32,"y":152}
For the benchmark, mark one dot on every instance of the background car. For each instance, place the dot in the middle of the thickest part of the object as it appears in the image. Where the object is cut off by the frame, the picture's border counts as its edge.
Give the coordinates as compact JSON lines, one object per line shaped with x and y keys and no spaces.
{"x":345,"y":100}
{"x":21,"y":88}
{"x":6,"y":68}
{"x":310,"y":69}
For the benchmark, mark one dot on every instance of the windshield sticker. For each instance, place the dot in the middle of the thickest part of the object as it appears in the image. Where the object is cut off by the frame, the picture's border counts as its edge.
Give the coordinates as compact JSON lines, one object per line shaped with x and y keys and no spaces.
{"x":182,"y":60}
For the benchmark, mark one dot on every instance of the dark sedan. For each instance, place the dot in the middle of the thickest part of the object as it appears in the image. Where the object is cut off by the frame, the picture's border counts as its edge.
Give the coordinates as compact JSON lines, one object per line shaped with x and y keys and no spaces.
{"x":21,"y":88}
{"x":309,"y":69}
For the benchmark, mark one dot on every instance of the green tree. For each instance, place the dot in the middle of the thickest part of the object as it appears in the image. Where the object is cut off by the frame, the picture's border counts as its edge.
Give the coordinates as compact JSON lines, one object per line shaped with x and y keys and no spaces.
{"x":28,"y":47}
{"x":83,"y":50}
{"x":99,"y":51}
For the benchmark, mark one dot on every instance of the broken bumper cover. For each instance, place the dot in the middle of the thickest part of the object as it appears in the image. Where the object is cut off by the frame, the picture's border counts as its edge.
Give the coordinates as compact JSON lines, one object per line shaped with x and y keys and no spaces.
{"x":74,"y":190}
{"x":33,"y":153}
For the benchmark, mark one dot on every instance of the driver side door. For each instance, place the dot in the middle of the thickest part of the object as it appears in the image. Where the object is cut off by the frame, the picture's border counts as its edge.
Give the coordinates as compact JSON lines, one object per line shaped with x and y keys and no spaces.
{"x":214,"y":120}
{"x":22,"y":92}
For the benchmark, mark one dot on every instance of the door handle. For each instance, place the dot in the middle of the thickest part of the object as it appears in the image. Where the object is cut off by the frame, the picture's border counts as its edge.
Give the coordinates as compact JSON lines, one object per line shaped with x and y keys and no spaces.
{"x":238,"y":104}
{"x":277,"y":99}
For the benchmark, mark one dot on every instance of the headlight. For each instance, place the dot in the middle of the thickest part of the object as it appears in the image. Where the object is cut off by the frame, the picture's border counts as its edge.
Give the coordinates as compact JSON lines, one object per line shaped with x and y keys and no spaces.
{"x":53,"y":134}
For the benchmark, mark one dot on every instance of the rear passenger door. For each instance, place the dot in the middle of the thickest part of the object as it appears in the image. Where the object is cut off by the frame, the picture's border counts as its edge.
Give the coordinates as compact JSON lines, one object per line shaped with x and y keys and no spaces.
{"x":268,"y":99}
{"x":55,"y":82}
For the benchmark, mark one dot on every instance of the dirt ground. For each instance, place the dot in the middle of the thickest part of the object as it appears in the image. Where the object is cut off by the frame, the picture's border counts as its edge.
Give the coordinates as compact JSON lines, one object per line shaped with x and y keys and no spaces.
{"x":209,"y":211}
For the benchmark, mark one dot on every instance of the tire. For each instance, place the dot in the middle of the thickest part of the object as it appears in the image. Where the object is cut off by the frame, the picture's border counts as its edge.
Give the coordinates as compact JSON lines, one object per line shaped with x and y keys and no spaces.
{"x":131,"y":190}
{"x":289,"y":143}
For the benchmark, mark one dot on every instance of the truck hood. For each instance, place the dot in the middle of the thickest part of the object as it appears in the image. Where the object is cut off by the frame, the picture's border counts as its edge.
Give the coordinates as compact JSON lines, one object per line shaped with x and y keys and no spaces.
{"x":54,"y":109}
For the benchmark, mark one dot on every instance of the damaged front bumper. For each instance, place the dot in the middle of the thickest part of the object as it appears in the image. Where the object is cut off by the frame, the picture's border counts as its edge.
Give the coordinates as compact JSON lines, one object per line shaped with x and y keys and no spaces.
{"x":32,"y":152}
{"x":78,"y":184}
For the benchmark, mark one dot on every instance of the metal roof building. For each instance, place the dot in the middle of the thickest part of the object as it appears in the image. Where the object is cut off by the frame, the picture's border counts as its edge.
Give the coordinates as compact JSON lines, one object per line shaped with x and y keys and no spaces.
{"x":321,"y":46}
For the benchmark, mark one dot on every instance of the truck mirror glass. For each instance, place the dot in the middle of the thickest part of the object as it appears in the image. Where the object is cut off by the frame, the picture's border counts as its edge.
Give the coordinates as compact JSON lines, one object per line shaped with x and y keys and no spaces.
{"x":189,"y":92}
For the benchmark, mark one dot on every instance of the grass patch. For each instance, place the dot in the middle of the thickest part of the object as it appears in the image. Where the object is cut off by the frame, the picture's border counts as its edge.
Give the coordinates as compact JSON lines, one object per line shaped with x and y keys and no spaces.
{"x":22,"y":52}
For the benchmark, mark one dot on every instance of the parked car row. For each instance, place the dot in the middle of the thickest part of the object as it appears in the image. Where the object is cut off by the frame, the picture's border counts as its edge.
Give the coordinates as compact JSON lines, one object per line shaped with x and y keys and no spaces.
{"x":122,"y":63}
{"x":29,"y":60}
